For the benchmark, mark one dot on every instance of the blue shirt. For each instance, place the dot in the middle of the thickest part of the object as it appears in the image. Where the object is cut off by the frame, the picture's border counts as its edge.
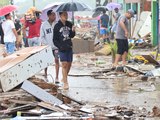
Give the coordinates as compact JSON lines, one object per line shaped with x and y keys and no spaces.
{"x":104,"y":20}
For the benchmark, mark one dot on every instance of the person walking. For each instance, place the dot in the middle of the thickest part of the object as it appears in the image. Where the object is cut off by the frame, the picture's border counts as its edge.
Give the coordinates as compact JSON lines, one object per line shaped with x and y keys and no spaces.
{"x":104,"y":21}
{"x":122,"y":35}
{"x":116,"y":17}
{"x":10,"y":34}
{"x":63,"y":32}
{"x":46,"y":37}
{"x":1,"y":34}
{"x":34,"y":31}
{"x":18,"y":27}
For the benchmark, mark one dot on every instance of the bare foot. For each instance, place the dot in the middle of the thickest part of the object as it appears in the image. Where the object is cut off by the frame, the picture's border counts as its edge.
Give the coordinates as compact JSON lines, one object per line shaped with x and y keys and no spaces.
{"x":124,"y":63}
{"x":66,"y":86}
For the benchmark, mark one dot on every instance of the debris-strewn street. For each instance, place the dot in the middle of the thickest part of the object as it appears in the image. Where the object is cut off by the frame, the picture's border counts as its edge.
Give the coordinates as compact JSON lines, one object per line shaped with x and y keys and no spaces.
{"x":79,"y":60}
{"x":96,"y":92}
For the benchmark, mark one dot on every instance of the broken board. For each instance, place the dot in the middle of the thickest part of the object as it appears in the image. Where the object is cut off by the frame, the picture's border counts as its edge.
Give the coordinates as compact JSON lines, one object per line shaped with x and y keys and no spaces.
{"x":146,"y":27}
{"x":24,"y":64}
{"x":140,"y":23}
{"x":134,"y":69}
{"x":40,"y":93}
{"x":150,"y":59}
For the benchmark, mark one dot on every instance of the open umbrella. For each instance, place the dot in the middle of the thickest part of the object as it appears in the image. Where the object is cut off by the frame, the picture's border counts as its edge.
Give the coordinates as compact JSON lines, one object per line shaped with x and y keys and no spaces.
{"x":100,"y":9}
{"x":73,"y":6}
{"x":96,"y":14}
{"x":7,"y":9}
{"x":111,"y":6}
{"x":49,"y":7}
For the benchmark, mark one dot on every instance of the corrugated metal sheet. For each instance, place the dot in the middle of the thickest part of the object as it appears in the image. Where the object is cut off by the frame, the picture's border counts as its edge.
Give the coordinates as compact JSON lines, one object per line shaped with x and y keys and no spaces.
{"x":132,"y":1}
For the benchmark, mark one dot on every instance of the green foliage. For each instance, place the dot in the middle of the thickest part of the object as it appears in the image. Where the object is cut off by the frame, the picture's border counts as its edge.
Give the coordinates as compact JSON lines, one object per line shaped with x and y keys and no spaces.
{"x":114,"y":50}
{"x":4,"y":2}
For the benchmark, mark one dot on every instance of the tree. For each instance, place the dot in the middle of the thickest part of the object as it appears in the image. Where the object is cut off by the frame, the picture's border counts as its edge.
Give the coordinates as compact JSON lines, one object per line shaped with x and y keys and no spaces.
{"x":105,"y":3}
{"x":4,"y":2}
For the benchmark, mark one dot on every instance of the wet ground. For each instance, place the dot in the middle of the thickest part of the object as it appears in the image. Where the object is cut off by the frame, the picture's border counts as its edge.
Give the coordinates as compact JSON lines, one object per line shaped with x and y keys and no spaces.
{"x":119,"y":91}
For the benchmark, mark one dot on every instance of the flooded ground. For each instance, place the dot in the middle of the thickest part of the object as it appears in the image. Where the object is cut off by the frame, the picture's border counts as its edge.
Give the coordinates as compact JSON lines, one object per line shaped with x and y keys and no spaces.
{"x":116,"y":91}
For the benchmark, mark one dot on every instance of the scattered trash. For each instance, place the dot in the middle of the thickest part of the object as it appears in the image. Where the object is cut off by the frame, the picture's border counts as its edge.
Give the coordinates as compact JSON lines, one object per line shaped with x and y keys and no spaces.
{"x":156,"y":111}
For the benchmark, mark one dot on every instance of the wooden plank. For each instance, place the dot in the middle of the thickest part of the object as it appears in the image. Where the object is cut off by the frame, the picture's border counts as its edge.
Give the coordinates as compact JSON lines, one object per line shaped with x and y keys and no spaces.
{"x":19,"y":108}
{"x":20,"y":68}
{"x":8,"y":95}
{"x":50,"y":107}
{"x":54,"y":118}
{"x":150,"y":59}
{"x":22,"y":102}
{"x":80,"y":103}
{"x":40,"y":93}
{"x":134,"y":69}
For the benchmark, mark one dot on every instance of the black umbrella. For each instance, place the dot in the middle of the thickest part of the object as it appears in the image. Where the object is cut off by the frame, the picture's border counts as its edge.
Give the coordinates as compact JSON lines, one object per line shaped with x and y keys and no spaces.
{"x":96,"y":14}
{"x":73,"y":6}
{"x":100,"y":9}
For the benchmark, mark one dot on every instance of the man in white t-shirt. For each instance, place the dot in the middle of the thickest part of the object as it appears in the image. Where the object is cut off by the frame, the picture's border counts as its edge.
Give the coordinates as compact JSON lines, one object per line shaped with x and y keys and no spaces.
{"x":46,"y":37}
{"x":10,"y":34}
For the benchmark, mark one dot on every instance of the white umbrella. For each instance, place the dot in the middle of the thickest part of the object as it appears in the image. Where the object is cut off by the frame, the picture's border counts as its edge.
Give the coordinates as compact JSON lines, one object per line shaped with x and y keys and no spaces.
{"x":53,"y":7}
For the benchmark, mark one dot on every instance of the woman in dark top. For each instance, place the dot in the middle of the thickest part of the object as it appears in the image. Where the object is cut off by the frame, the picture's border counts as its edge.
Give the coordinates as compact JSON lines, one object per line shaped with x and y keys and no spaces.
{"x":63,"y":32}
{"x":1,"y":34}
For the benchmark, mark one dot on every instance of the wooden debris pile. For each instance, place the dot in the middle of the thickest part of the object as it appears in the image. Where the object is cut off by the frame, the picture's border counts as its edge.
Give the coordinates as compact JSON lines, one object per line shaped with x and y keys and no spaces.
{"x":31,"y":104}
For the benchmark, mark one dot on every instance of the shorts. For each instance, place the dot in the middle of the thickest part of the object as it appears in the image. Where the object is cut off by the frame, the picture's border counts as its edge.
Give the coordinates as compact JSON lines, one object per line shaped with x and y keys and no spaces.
{"x":66,"y":56}
{"x":103,"y":31}
{"x":19,"y":39}
{"x":122,"y":45}
{"x":34,"y":41}
{"x":56,"y":53}
{"x":10,"y":47}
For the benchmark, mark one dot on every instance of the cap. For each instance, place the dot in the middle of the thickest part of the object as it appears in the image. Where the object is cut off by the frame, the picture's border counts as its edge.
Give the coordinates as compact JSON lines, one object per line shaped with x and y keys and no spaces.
{"x":130,"y":11}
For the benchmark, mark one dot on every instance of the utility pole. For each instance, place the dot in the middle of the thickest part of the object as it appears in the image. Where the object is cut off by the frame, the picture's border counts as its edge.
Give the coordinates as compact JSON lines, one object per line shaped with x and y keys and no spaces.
{"x":12,"y":3}
{"x":155,"y":22}
{"x":98,"y":3}
{"x":34,"y":3}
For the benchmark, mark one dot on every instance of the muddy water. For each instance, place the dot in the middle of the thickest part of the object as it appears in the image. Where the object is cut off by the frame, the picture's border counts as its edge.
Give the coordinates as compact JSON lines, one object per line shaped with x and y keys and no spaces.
{"x":118,"y":91}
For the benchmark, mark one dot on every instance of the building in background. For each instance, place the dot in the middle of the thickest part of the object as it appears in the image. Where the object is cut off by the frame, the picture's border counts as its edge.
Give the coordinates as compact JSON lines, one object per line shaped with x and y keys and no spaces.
{"x":4,"y":2}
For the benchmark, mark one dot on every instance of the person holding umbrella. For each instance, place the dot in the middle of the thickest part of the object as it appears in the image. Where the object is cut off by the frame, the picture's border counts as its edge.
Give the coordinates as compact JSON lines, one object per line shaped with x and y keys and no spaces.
{"x":63,"y":32}
{"x":46,"y":36}
{"x":116,"y":17}
{"x":10,"y":34}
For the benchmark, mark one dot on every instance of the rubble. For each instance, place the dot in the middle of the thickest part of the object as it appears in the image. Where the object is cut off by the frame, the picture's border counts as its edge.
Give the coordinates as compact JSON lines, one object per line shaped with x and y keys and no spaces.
{"x":29,"y":58}
{"x":37,"y":99}
{"x":142,"y":27}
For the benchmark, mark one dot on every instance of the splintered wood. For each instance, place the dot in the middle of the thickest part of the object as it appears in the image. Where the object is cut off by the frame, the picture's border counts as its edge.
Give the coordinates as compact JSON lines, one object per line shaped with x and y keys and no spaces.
{"x":37,"y":95}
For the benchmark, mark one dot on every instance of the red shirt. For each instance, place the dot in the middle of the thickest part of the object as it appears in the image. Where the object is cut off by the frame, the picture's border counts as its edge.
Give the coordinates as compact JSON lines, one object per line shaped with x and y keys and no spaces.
{"x":34,"y":28}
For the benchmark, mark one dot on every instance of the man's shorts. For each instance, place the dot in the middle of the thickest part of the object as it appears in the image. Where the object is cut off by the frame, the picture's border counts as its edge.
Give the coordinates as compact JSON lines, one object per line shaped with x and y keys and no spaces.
{"x":56,"y":53}
{"x":19,"y":39}
{"x":122,"y":45}
{"x":66,"y":56}
{"x":10,"y":47}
